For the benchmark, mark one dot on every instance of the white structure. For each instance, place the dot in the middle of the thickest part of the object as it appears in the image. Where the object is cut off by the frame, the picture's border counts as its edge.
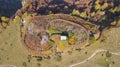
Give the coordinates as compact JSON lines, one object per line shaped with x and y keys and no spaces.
{"x":63,"y":37}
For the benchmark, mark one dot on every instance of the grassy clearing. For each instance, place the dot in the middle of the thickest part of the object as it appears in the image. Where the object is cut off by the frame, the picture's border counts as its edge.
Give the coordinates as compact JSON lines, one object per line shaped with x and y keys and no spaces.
{"x":12,"y":51}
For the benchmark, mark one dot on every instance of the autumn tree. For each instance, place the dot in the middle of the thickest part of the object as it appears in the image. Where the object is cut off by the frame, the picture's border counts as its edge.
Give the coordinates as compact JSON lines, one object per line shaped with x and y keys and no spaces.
{"x":75,"y":12}
{"x":5,"y":21}
{"x":97,"y":7}
{"x":104,"y":6}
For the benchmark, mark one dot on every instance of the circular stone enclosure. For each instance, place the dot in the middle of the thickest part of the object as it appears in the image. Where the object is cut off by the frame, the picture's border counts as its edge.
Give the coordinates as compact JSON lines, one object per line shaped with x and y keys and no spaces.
{"x":46,"y":35}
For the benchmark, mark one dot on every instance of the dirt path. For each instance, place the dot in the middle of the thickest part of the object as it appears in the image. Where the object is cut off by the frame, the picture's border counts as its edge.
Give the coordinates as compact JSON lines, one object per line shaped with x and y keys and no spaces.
{"x":95,"y":53}
{"x":8,"y":65}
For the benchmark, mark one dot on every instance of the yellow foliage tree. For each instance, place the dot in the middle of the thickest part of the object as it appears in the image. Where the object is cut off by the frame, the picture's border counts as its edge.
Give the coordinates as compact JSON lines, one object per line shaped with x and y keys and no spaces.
{"x":72,"y":40}
{"x":83,"y":14}
{"x":4,"y":19}
{"x":17,"y":19}
{"x":113,"y":10}
{"x":4,"y":24}
{"x":24,"y":15}
{"x":75,"y":12}
{"x":104,"y":6}
{"x":97,"y":6}
{"x":92,"y":14}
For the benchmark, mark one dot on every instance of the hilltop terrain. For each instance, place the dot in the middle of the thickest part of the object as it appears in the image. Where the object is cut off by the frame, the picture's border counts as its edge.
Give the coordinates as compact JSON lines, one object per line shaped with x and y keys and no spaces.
{"x":61,"y":33}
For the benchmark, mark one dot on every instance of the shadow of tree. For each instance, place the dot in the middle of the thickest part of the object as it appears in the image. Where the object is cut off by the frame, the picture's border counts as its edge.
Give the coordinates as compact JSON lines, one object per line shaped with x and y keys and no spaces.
{"x":9,"y":7}
{"x":56,"y":6}
{"x":109,"y":18}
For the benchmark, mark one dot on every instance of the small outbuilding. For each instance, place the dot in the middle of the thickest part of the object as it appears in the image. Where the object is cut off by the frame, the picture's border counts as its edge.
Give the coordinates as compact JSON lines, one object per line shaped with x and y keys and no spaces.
{"x":62,"y":37}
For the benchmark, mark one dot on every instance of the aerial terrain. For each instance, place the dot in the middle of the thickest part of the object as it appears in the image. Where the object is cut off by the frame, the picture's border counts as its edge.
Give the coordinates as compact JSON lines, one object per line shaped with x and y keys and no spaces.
{"x":59,"y":33}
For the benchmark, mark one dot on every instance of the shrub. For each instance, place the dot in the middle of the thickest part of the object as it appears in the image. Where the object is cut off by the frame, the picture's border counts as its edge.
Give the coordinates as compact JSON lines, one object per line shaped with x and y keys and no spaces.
{"x":53,"y":31}
{"x":29,"y":58}
{"x":92,"y":40}
{"x":104,"y":62}
{"x":108,"y":54}
{"x":24,"y":64}
{"x":38,"y":65}
{"x":58,"y":58}
{"x":39,"y":58}
{"x":69,"y":52}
